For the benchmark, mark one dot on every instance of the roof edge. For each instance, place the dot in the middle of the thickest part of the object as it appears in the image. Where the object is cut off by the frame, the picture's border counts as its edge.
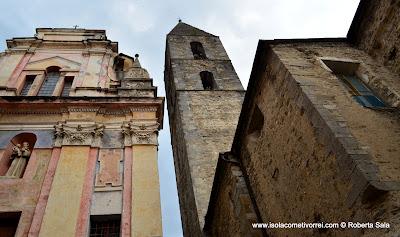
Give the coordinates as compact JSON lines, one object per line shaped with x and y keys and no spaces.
{"x":357,"y":19}
{"x":182,"y":26}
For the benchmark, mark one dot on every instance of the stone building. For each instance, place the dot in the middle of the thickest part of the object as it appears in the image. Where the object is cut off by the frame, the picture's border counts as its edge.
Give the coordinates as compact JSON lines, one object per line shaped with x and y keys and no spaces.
{"x":318,"y":136}
{"x":204,"y":98}
{"x":78,"y":138}
{"x":317,"y":139}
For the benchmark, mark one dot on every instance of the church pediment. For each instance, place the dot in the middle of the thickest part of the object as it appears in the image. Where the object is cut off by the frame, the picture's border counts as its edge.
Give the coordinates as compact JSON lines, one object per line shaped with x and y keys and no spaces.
{"x":58,"y":61}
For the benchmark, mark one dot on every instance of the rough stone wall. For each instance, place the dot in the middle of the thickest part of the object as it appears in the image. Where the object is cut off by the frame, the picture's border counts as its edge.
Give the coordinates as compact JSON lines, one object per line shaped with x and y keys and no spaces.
{"x":224,"y":75}
{"x":212,"y":46}
{"x":376,"y":131}
{"x":208,"y":121}
{"x":378,"y":31}
{"x":318,"y":148}
{"x":231,"y":211}
{"x":185,"y":188}
{"x":204,"y":126}
{"x":186,"y":70}
{"x":202,"y":122}
{"x":188,"y":208}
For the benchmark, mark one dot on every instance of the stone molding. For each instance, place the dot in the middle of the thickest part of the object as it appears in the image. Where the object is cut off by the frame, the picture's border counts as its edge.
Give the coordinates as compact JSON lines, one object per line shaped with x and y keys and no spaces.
{"x":136,"y":92}
{"x":104,"y":111}
{"x":144,"y":109}
{"x":136,"y":85}
{"x":137,"y":73}
{"x":30,"y":111}
{"x":140,"y":132}
{"x":74,"y":133}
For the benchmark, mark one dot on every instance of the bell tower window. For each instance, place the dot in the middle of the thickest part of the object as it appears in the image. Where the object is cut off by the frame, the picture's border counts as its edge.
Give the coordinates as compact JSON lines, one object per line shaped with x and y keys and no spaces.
{"x":198,"y":50}
{"x":207,"y":79}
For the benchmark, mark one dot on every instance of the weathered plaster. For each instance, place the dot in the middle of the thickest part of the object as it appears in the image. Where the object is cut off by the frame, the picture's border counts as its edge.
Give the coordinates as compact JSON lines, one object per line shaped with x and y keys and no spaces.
{"x":63,"y":206}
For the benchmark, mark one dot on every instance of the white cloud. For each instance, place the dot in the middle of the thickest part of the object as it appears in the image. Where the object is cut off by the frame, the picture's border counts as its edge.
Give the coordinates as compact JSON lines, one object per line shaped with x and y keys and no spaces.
{"x":133,"y":15}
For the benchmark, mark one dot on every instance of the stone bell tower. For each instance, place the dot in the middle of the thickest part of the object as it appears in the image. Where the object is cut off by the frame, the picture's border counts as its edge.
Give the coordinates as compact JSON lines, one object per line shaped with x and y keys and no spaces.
{"x":204,"y":97}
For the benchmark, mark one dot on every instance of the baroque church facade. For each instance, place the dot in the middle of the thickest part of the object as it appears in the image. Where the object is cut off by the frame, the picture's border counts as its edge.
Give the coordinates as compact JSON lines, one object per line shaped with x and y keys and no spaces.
{"x":79,"y":127}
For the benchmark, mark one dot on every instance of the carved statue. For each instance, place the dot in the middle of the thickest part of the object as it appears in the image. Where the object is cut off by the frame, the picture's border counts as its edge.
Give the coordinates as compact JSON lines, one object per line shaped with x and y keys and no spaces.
{"x":19,"y":157}
{"x":26,"y":152}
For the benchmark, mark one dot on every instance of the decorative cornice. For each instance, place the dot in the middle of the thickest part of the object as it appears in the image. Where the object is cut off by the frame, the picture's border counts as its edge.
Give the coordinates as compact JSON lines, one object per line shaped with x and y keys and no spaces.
{"x":83,"y":109}
{"x":144,"y":109}
{"x":74,"y":133}
{"x":16,"y":51}
{"x":113,"y":112}
{"x":140,"y":132}
{"x":30,"y":111}
{"x":99,"y":110}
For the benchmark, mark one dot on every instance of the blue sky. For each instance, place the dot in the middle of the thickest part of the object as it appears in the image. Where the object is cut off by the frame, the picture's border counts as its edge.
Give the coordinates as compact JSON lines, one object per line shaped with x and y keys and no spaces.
{"x":140,"y":26}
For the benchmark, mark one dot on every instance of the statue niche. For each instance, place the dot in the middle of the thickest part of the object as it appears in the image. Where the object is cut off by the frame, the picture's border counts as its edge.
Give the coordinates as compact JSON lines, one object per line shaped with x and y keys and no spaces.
{"x":19,"y":157}
{"x":16,"y":155}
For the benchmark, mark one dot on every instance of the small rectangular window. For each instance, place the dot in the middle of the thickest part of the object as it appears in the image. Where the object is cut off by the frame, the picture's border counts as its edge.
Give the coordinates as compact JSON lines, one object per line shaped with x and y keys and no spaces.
{"x":347,"y":73}
{"x":105,"y":226}
{"x":67,"y":86}
{"x":207,"y":79}
{"x":28,"y":84}
{"x":361,"y":93}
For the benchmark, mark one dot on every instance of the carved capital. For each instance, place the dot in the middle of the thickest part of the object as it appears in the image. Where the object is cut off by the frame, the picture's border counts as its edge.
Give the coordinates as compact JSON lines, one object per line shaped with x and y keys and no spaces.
{"x":140,"y":132}
{"x":85,"y":52}
{"x":69,"y":134}
{"x":31,"y":49}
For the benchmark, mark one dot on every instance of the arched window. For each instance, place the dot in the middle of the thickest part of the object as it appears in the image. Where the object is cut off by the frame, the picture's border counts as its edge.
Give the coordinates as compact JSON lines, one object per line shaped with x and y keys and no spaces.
{"x":198,"y":50}
{"x":50,"y":82}
{"x":16,"y":155}
{"x":207,"y":79}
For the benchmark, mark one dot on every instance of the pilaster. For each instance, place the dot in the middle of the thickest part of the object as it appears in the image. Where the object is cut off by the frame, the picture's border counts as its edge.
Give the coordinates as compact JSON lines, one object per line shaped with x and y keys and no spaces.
{"x":145,"y":206}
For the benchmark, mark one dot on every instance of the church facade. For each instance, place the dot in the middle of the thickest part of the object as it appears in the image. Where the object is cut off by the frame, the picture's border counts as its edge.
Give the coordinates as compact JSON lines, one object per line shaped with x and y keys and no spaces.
{"x":79,"y":127}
